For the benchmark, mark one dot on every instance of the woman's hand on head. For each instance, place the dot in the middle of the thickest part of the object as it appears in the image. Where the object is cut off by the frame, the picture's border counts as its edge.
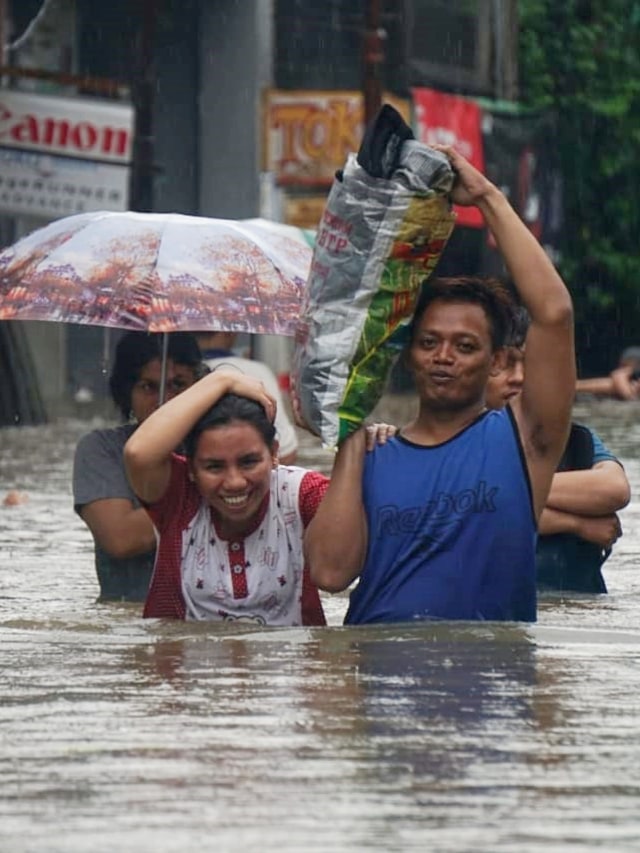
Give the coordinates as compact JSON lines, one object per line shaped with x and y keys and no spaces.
{"x":246,"y":386}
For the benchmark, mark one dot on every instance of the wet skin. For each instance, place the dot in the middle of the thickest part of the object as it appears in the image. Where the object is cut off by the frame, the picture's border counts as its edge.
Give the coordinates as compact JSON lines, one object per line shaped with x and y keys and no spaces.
{"x":451,"y":355}
{"x":231,"y":469}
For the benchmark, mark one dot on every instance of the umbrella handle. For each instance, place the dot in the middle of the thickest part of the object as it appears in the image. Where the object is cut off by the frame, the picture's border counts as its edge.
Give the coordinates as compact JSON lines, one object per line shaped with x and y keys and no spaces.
{"x":163,"y":368}
{"x":106,"y":350}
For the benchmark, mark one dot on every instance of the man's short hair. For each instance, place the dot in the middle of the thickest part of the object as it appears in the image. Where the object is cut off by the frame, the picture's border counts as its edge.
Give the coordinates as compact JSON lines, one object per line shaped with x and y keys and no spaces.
{"x":489,"y":293}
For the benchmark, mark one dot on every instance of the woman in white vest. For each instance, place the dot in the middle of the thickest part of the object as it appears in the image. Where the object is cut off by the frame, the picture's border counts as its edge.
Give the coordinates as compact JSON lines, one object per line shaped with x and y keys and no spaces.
{"x":230,"y":519}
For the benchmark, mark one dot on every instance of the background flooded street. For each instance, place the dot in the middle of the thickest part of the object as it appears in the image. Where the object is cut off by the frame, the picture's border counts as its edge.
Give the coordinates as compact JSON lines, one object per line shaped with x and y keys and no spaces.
{"x":123,"y":734}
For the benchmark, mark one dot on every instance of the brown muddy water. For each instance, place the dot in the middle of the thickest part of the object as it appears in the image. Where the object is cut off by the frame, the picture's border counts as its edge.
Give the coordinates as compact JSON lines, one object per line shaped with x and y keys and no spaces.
{"x":130,"y":735}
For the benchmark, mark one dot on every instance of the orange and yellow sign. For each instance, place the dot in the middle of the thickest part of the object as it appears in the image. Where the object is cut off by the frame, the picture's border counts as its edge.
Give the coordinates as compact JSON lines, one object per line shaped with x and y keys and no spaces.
{"x":308,"y":134}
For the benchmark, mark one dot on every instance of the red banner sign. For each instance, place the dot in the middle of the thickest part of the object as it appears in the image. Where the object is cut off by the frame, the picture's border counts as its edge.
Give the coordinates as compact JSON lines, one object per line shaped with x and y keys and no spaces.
{"x":450,"y":120}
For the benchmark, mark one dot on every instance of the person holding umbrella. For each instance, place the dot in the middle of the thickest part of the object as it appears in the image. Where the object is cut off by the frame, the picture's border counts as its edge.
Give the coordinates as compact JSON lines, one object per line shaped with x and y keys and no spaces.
{"x":123,"y":534}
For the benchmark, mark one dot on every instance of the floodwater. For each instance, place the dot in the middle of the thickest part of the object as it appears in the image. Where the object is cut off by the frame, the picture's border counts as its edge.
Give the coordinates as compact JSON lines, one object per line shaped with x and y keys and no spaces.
{"x":130,"y":735}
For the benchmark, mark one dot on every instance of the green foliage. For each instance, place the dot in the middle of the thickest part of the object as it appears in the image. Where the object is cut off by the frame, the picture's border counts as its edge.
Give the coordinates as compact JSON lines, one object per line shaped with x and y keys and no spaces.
{"x":581,"y":58}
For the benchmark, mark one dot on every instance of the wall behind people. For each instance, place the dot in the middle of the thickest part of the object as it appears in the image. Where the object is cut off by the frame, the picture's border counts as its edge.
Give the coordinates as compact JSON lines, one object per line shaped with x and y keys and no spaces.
{"x":109,"y":45}
{"x":20,"y":401}
{"x":235,"y":64}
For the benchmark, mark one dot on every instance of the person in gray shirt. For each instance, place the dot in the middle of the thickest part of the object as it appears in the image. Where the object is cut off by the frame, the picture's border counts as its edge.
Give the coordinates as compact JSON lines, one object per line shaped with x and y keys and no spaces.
{"x":123,"y":534}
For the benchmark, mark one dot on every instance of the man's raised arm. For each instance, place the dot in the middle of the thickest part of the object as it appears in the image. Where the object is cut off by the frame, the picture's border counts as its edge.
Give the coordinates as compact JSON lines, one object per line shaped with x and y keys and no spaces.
{"x":543,"y":410}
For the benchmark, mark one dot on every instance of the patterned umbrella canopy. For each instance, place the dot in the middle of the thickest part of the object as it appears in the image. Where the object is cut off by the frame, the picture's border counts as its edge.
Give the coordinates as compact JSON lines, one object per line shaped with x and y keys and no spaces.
{"x":158,"y":272}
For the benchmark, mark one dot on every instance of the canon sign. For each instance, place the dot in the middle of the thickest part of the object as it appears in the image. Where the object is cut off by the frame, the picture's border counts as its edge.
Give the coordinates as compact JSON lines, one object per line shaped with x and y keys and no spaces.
{"x":88,"y":129}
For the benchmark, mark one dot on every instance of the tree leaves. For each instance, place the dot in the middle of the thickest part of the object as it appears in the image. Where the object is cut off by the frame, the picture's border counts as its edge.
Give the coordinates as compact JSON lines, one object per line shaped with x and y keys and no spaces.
{"x":582,"y":60}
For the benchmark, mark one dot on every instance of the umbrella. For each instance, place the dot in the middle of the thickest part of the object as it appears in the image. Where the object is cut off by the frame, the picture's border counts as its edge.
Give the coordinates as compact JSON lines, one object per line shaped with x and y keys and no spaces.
{"x":158,"y":272}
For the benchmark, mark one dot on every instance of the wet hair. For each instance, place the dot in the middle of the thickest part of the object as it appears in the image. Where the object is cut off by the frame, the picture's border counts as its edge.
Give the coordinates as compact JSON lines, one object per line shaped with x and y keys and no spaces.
{"x":489,"y":293}
{"x":231,"y":408}
{"x":137,"y":349}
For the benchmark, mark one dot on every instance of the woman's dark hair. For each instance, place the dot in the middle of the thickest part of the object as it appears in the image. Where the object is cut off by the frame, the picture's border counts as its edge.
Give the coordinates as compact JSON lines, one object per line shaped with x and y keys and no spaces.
{"x":489,"y":293}
{"x":230,"y":408}
{"x":136,"y":349}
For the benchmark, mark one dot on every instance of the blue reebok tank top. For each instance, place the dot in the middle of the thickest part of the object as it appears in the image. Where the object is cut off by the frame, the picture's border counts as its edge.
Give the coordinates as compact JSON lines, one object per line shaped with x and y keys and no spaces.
{"x":451,"y":529}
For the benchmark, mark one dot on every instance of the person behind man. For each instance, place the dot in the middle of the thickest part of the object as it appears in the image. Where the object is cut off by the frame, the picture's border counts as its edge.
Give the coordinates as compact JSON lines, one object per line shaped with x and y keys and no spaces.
{"x":579,"y":525}
{"x":122,"y":531}
{"x":440,"y":521}
{"x":217,"y":349}
{"x":623,"y":383}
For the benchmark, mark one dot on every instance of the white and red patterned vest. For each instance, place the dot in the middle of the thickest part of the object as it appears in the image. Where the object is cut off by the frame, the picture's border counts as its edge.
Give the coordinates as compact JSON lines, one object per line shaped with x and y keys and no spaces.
{"x":256,"y":579}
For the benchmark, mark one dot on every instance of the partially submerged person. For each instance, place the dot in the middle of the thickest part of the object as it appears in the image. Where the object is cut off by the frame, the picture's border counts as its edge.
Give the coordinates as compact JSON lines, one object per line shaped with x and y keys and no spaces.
{"x":440,"y":522}
{"x":230,"y":518}
{"x":217,"y":349}
{"x":623,"y":383}
{"x":122,"y":531}
{"x":579,"y":524}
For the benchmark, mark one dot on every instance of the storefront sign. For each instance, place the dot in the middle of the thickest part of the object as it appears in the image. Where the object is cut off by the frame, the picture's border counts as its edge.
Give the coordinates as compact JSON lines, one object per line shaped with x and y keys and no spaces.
{"x":450,"y":120}
{"x":310,"y":133}
{"x":60,"y":156}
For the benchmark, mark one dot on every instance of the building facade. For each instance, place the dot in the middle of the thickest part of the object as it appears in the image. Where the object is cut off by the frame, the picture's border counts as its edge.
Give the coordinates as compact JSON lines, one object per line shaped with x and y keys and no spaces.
{"x":199,"y":75}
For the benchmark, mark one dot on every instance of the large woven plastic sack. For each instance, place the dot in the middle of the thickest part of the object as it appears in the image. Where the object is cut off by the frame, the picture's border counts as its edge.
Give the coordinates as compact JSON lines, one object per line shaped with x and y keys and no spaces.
{"x":378,"y":239}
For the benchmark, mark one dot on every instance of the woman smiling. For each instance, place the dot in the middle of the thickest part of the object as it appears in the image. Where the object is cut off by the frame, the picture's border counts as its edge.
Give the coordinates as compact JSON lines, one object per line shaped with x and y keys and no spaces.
{"x":230,"y":519}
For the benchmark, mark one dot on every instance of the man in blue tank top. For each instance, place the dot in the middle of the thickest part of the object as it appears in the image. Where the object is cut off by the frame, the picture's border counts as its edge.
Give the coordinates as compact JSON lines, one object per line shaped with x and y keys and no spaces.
{"x":440,"y":522}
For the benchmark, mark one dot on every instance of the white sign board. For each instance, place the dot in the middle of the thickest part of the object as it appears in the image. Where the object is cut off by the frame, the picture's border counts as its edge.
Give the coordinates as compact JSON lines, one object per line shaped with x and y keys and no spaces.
{"x":60,"y":156}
